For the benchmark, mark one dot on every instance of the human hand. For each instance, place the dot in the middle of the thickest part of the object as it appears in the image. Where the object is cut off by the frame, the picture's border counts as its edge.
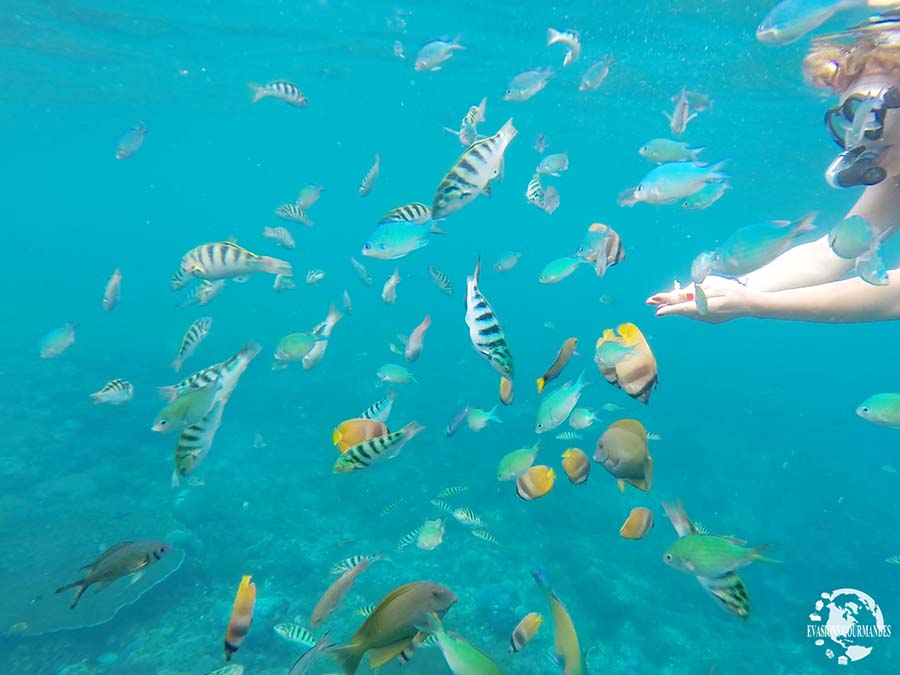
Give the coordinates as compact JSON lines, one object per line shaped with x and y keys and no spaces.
{"x":726,"y":299}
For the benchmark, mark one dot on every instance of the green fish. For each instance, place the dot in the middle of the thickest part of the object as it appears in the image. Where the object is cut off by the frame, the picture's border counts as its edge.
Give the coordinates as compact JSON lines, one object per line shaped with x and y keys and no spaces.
{"x":661,"y":150}
{"x":557,"y":270}
{"x":293,"y":347}
{"x":517,"y":462}
{"x":566,"y":648}
{"x":709,"y":555}
{"x":461,"y":657}
{"x":881,"y":409}
{"x":187,"y":409}
{"x":609,"y":354}
{"x":556,"y":406}
{"x":753,"y":246}
{"x":705,"y":197}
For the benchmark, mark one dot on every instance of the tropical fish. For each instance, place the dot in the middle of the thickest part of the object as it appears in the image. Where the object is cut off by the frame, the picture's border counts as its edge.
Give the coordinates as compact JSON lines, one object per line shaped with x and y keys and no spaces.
{"x":553,"y":165}
{"x":228,"y":371}
{"x":697,"y":100}
{"x":408,"y":539}
{"x":204,"y":292}
{"x":611,"y":407}
{"x":293,"y":213}
{"x":280,"y":90}
{"x":441,"y":280}
{"x":881,"y":409}
{"x":525,"y":85}
{"x":414,"y":212}
{"x":851,"y":237}
{"x":623,"y":451}
{"x":295,"y":633}
{"x":670,"y":182}
{"x":637,"y":375}
{"x":517,"y":462}
{"x":434,"y":54}
{"x":280,"y":235}
{"x":681,"y":115}
{"x":131,"y":141}
{"x":701,"y":300}
{"x":507,"y":261}
{"x":323,"y":329}
{"x":534,"y":193}
{"x":348,"y":306}
{"x":380,"y":410}
{"x":570,"y":38}
{"x":461,"y":657}
{"x":568,"y":435}
{"x":389,"y":290}
{"x":57,"y":341}
{"x":871,"y":268}
{"x":304,"y":664}
{"x":361,"y":272}
{"x":705,"y":196}
{"x":485,"y":331}
{"x":293,"y":347}
{"x":349,"y":563}
{"x":417,"y":339}
{"x":662,"y":150}
{"x":376,"y":450}
{"x":394,"y":374}
{"x":368,"y":181}
{"x":241,"y":616}
{"x":567,"y":652}
{"x":595,"y":75}
{"x":468,"y":128}
{"x":365,"y":610}
{"x":610,"y":354}
{"x":392,"y":625}
{"x":790,"y":20}
{"x":130,"y":558}
{"x":431,"y":534}
{"x":709,"y":555}
{"x":484,"y":535}
{"x":754,"y":246}
{"x":452,"y":490}
{"x":354,"y":431}
{"x":581,"y":418}
{"x":194,"y":443}
{"x":230,"y":669}
{"x":559,"y":269}
{"x":471,"y":174}
{"x":638,"y":523}
{"x":554,"y":408}
{"x":506,"y":391}
{"x":115,"y":391}
{"x":314,"y":276}
{"x":194,"y":335}
{"x":562,"y":358}
{"x":477,"y":419}
{"x":334,"y":595}
{"x":602,"y":246}
{"x":111,"y":293}
{"x":467,"y":517}
{"x":188,"y":409}
{"x":224,"y":260}
{"x":525,"y":631}
{"x":397,"y":239}
{"x":540,"y":143}
{"x":576,"y":466}
{"x":457,"y":421}
{"x":309,"y":195}
{"x":536,"y":482}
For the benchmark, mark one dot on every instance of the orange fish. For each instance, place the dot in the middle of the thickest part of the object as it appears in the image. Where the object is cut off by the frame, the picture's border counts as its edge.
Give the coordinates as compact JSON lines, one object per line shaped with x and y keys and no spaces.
{"x":577,"y":466}
{"x":354,"y":431}
{"x":241,"y":617}
{"x":638,"y":523}
{"x":535,"y":483}
{"x":506,"y":391}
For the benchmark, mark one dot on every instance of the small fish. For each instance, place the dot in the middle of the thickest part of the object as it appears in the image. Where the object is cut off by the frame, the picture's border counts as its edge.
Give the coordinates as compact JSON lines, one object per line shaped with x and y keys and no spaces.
{"x":595,"y":75}
{"x":348,"y":305}
{"x":611,"y":407}
{"x":456,"y":422}
{"x":555,"y":407}
{"x":710,"y":556}
{"x":361,"y":272}
{"x":568,"y":436}
{"x":441,"y":280}
{"x":309,"y":195}
{"x":111,"y":293}
{"x":871,"y":268}
{"x":376,"y":450}
{"x":414,"y":212}
{"x":398,"y":50}
{"x":790,"y":20}
{"x":576,"y":465}
{"x":894,"y":560}
{"x":477,"y":419}
{"x":192,"y":338}
{"x":701,"y":300}
{"x":517,"y":462}
{"x":560,"y":362}
{"x":431,"y":535}
{"x":705,"y":196}
{"x":390,"y":508}
{"x":610,"y":354}
{"x":535,"y":483}
{"x":881,"y":409}
{"x":280,"y":235}
{"x":368,"y":182}
{"x":57,"y":341}
{"x":259,"y":442}
{"x":559,"y":269}
{"x":697,"y":100}
{"x":434,"y":54}
{"x":294,"y":213}
{"x":681,"y":115}
{"x":323,"y":329}
{"x":540,"y":143}
{"x":581,"y":418}
{"x":638,"y":523}
{"x":116,"y":392}
{"x":484,"y":535}
{"x":280,"y":90}
{"x":304,"y":664}
{"x":393,"y":374}
{"x":130,"y":558}
{"x":460,"y":656}
{"x":230,"y":669}
{"x":623,"y":452}
{"x":408,"y":539}
{"x":525,"y":631}
{"x":334,"y":595}
{"x":225,"y":260}
{"x":551,"y":200}
{"x":670,"y":182}
{"x":389,"y":290}
{"x":570,"y":38}
{"x":396,"y":239}
{"x":241,"y":616}
{"x":295,"y":633}
{"x":662,"y":150}
{"x":553,"y":165}
{"x":416,"y":340}
{"x":534,"y":193}
{"x":205,"y":291}
{"x":364,"y":610}
{"x":131,"y":141}
{"x":567,"y":653}
{"x":452,"y":491}
{"x":468,"y":517}
{"x":753,"y":246}
{"x":380,"y":410}
{"x":293,"y":348}
{"x":485,"y":331}
{"x":525,"y":85}
{"x":188,"y":409}
{"x":442,"y":505}
{"x":507,"y":261}
{"x":507,"y":391}
{"x":349,"y":563}
{"x":887,"y":468}
{"x":353,"y":431}
{"x":851,"y":237}
{"x":314,"y":276}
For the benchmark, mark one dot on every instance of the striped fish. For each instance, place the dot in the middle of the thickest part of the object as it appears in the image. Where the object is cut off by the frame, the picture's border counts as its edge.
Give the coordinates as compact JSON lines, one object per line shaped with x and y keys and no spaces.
{"x":453,"y":490}
{"x":115,"y":391}
{"x":281,"y":236}
{"x":294,"y":213}
{"x":361,"y":272}
{"x":484,"y":329}
{"x":420,"y":641}
{"x":380,"y":410}
{"x":224,"y":260}
{"x":195,"y":334}
{"x":534,"y":193}
{"x":180,"y":279}
{"x":376,"y":450}
{"x":414,"y":212}
{"x":568,"y":436}
{"x":314,"y":276}
{"x":484,"y":535}
{"x":365,"y":610}
{"x":202,"y":294}
{"x":468,"y":517}
{"x":281,"y":90}
{"x":441,"y":280}
{"x":408,"y":538}
{"x":230,"y":370}
{"x":390,"y":508}
{"x":472,"y":173}
{"x":295,"y":633}
{"x":348,"y":564}
{"x":369,"y":181}
{"x":442,"y":505}
{"x":468,"y":128}
{"x":194,"y":442}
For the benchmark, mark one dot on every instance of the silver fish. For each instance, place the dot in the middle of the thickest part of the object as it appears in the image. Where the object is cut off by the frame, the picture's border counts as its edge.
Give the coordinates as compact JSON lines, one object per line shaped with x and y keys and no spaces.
{"x":294,"y":213}
{"x":455,"y":424}
{"x":484,"y":328}
{"x":203,"y":293}
{"x":194,"y":335}
{"x":281,"y":90}
{"x":371,"y":176}
{"x":115,"y":391}
{"x":441,"y":280}
{"x":361,"y":272}
{"x":280,"y":235}
{"x":223,"y":260}
{"x":681,"y":115}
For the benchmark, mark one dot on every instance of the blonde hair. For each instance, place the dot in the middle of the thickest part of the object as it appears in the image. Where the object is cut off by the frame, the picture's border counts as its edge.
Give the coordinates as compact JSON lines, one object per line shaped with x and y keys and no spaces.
{"x":838,"y":65}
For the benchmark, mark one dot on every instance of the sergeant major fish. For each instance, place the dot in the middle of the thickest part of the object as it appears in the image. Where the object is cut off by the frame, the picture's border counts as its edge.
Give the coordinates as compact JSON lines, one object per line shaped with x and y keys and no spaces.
{"x":295,"y":213}
{"x":376,"y":450}
{"x":111,"y":293}
{"x":468,"y":128}
{"x":280,"y":90}
{"x":414,"y":212}
{"x":441,"y":280}
{"x":368,"y":181}
{"x":485,"y":331}
{"x":194,"y":335}
{"x":570,"y":38}
{"x":280,"y":235}
{"x":223,"y":260}
{"x":115,"y":391}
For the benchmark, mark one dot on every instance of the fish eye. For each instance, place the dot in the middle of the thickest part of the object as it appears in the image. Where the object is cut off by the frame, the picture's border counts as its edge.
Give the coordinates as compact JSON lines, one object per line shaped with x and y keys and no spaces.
{"x":865,"y":408}
{"x":639,"y":188}
{"x":381,"y":246}
{"x":667,"y":556}
{"x":367,"y":246}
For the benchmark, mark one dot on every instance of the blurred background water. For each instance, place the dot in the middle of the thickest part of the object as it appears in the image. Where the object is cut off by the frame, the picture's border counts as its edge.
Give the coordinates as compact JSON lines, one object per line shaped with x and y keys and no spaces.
{"x":758,"y":433}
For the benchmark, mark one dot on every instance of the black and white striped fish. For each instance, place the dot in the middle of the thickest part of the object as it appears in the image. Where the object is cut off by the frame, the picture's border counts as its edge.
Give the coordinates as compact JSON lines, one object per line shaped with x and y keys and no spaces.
{"x":414,"y":212}
{"x":281,"y":90}
{"x":194,"y":442}
{"x":281,"y":236}
{"x":195,"y":334}
{"x":441,"y":280}
{"x":294,"y":213}
{"x":442,"y":505}
{"x":408,"y":538}
{"x":224,"y":260}
{"x":348,"y":564}
{"x":115,"y":391}
{"x":484,"y":328}
{"x":295,"y":633}
{"x":468,"y":128}
{"x":390,"y":508}
{"x":484,"y":535}
{"x":365,"y":610}
{"x":362,"y":272}
{"x":371,"y":176}
{"x":472,"y":173}
{"x":534,"y":193}
{"x":468,"y":517}
{"x":380,"y":410}
{"x":230,"y":371}
{"x":453,"y":490}
{"x":376,"y":450}
{"x":180,"y":279}
{"x":202,"y":294}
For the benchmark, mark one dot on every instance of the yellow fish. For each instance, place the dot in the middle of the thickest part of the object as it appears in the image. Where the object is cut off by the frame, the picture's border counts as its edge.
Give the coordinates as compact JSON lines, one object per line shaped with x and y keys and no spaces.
{"x":353,"y":431}
{"x":638,"y":374}
{"x":535,"y":483}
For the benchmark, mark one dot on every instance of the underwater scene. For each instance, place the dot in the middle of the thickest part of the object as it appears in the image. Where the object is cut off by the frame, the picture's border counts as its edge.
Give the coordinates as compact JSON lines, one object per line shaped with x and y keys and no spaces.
{"x":355,"y":336}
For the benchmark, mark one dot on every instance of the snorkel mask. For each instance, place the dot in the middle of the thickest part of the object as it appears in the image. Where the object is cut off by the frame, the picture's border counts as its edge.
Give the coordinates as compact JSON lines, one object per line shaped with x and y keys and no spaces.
{"x":857,"y":126}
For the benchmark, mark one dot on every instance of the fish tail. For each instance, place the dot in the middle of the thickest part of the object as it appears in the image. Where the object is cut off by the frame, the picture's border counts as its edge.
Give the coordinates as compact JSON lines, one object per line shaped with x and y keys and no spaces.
{"x":552,"y":34}
{"x":540,"y":576}
{"x":336,"y":436}
{"x":806,"y":223}
{"x":455,"y":44}
{"x":412,"y":429}
{"x":275,"y":266}
{"x":176,"y":480}
{"x":167,"y":393}
{"x":540,"y":384}
{"x":176,"y":363}
{"x":348,"y":658}
{"x":257,"y":91}
{"x":756,"y":554}
{"x":80,"y":585}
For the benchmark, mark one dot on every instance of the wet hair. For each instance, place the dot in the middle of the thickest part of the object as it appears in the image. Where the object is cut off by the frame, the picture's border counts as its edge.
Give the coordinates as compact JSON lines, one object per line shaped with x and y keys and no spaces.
{"x":837,"y":65}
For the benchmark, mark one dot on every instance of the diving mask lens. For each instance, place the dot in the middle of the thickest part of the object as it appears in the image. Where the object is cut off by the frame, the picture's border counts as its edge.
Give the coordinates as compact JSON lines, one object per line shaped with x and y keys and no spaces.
{"x":855,"y":167}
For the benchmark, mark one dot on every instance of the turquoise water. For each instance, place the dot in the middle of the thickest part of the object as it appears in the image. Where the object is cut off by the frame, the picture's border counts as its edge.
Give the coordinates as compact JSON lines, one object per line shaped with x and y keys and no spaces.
{"x":758,"y":434}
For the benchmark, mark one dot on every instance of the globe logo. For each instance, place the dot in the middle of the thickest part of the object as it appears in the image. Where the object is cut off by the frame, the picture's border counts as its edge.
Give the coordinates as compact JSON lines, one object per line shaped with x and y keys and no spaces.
{"x":847,"y":622}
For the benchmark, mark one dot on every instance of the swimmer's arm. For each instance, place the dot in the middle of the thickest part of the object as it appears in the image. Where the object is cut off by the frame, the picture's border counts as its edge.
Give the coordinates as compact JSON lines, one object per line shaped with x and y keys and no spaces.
{"x":848,"y":301}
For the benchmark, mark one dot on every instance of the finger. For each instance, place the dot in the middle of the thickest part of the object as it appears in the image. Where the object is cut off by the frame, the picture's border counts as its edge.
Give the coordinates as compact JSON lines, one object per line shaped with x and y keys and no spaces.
{"x":688,"y":309}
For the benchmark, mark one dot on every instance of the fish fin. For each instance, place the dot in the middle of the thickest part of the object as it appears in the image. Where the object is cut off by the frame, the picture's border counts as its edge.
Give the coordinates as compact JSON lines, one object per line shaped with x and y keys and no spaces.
{"x":348,"y":658}
{"x":621,"y":486}
{"x":540,"y":384}
{"x":434,"y":229}
{"x":452,"y":131}
{"x":257,"y":91}
{"x":100,"y":585}
{"x":336,"y":436}
{"x":379,"y":656}
{"x":136,"y":577}
{"x":486,"y":190}
{"x":80,"y":585}
{"x":668,"y":117}
{"x":756,"y":554}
